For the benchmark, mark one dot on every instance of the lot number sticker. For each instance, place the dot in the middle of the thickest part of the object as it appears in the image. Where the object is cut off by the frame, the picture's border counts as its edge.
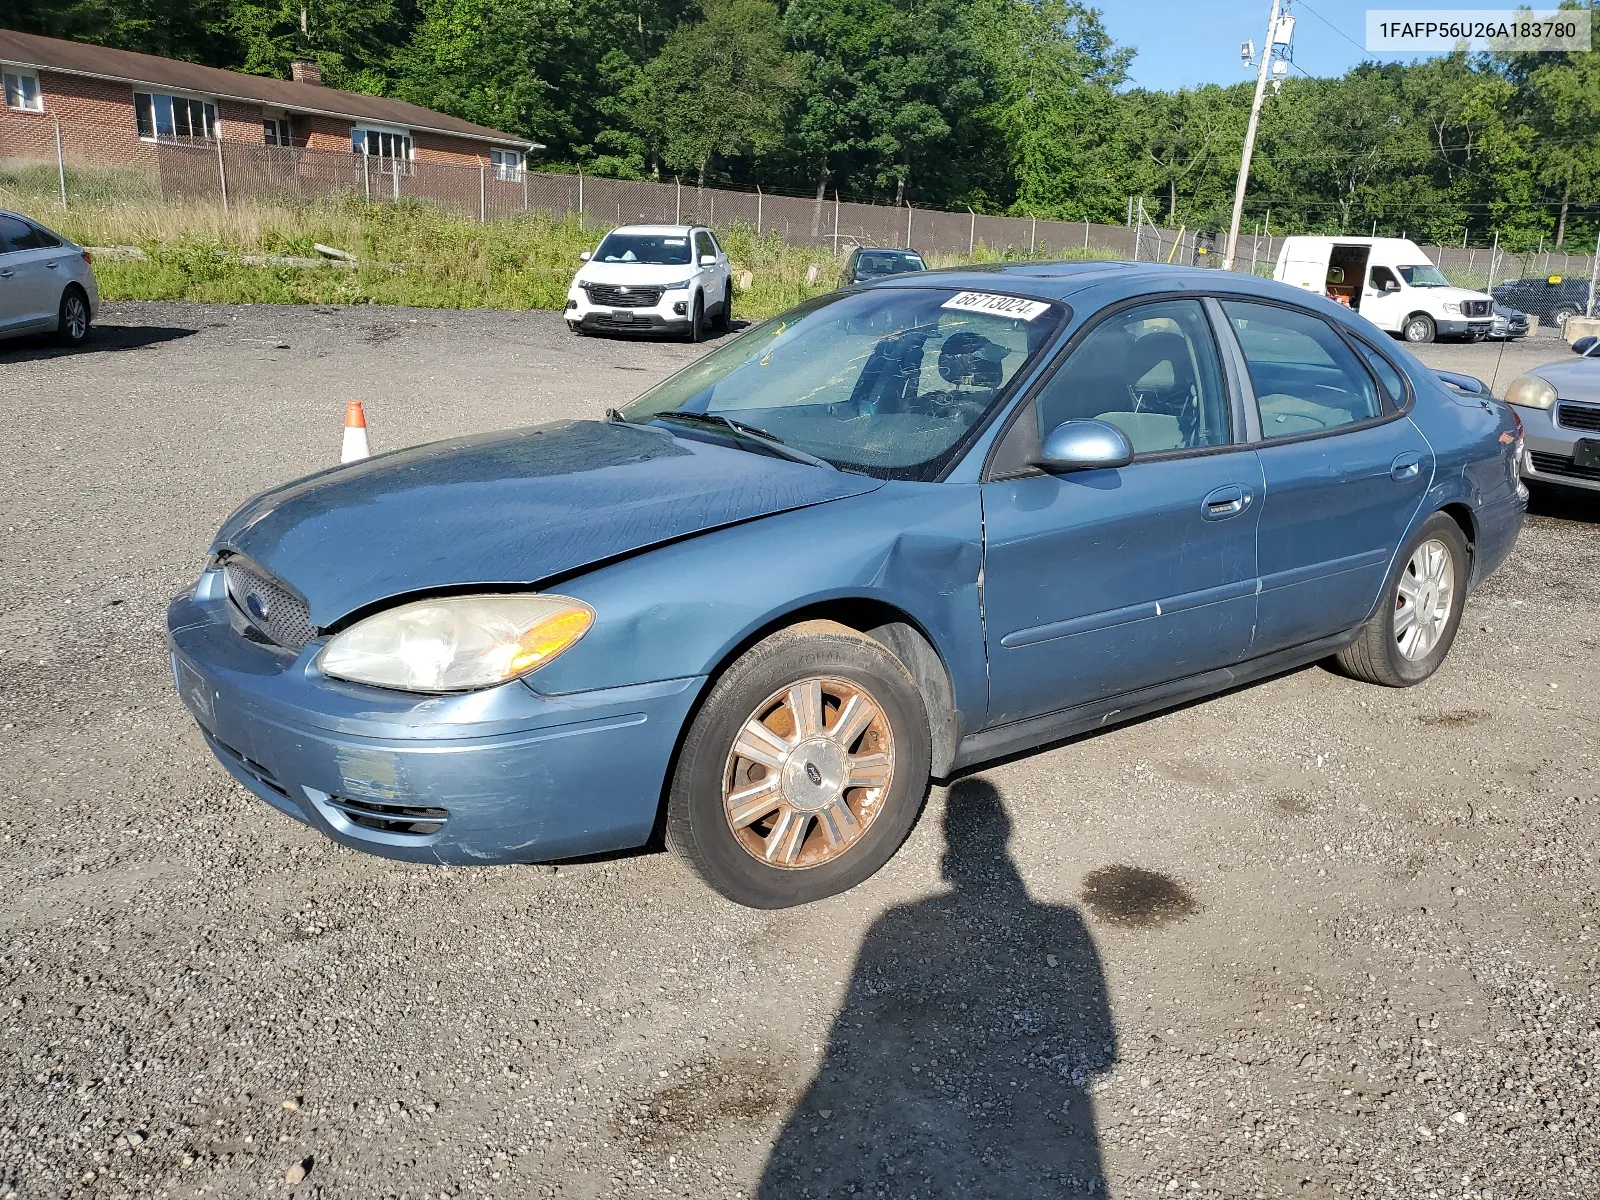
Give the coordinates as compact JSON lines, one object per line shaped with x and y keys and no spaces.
{"x":996,"y":305}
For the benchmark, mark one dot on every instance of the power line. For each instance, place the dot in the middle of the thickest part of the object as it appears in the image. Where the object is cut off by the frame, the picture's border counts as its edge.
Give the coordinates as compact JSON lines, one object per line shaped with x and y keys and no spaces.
{"x":1332,"y":26}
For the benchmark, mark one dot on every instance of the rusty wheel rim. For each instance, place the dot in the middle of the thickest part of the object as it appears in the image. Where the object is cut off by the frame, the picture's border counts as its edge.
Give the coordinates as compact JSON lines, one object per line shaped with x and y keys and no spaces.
{"x":808,"y":773}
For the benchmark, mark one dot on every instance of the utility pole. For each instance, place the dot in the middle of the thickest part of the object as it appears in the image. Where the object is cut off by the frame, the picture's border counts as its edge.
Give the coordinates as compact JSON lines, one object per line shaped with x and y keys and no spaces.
{"x":1279,"y":30}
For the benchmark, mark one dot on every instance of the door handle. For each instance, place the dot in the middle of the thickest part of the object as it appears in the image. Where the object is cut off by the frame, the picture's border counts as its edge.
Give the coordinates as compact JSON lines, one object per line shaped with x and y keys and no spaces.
{"x":6,"y":272}
{"x":1406,"y":466}
{"x":52,"y":264}
{"x":1225,"y":502}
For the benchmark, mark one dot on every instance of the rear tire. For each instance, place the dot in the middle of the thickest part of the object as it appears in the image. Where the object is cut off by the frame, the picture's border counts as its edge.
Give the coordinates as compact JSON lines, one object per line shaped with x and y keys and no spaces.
{"x":724,"y":317}
{"x":72,"y":327}
{"x":1561,"y":316}
{"x":1409,"y":635}
{"x":1420,"y":329}
{"x":783,"y":824}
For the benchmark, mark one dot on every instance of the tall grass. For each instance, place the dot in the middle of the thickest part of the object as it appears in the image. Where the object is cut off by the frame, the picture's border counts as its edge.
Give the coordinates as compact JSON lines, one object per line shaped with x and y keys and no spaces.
{"x":409,"y":253}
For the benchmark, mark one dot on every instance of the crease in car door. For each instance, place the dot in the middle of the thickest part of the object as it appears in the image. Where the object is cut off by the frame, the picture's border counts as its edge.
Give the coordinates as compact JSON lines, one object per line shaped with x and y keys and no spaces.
{"x":1342,"y":484}
{"x":1101,"y":582}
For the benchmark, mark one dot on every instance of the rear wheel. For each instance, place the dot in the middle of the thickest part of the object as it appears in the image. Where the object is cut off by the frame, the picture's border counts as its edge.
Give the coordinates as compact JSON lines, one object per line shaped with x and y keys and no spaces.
{"x":803,"y":771}
{"x":1562,"y":315}
{"x":1420,"y":328}
{"x":725,"y":313}
{"x":1407,"y":638}
{"x":72,"y":328}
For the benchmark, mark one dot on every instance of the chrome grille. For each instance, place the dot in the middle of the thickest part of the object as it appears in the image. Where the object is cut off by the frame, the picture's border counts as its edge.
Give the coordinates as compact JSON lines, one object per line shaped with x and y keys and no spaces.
{"x":624,"y":297}
{"x":281,"y":617}
{"x":1560,"y":464}
{"x":1578,"y":416}
{"x":1475,"y":308}
{"x":407,"y":820}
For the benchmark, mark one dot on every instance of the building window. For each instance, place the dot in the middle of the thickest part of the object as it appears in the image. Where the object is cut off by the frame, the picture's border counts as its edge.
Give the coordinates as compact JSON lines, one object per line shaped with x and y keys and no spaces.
{"x":507,"y":165}
{"x":391,"y":148}
{"x":162,"y":116}
{"x":275,"y":131}
{"x":22,"y":91}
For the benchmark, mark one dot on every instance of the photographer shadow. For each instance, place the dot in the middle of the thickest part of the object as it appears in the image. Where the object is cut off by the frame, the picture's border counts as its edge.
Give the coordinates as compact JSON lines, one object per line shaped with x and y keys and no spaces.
{"x":960,"y":1063}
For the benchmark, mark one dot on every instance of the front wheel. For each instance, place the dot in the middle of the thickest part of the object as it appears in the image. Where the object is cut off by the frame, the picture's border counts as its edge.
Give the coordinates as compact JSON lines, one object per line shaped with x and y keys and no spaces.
{"x":1420,"y":328}
{"x":804,"y":769}
{"x":1406,"y":639}
{"x":1562,"y":316}
{"x":697,"y":318}
{"x":72,"y":328}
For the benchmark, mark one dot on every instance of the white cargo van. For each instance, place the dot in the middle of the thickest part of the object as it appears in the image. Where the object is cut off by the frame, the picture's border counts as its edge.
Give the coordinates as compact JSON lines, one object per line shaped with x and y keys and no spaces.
{"x":1389,"y":281}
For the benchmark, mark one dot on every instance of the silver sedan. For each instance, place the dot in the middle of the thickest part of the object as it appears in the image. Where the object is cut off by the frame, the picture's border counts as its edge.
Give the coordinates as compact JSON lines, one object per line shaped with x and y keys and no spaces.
{"x":46,"y":283}
{"x":1559,"y":404}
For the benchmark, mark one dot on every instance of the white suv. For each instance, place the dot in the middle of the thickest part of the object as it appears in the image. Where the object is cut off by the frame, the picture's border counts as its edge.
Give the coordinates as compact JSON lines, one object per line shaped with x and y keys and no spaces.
{"x":645,"y":278}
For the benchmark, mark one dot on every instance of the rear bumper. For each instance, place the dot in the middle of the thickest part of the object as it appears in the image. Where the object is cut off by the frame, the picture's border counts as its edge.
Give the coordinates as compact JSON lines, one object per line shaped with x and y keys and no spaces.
{"x":502,"y":775}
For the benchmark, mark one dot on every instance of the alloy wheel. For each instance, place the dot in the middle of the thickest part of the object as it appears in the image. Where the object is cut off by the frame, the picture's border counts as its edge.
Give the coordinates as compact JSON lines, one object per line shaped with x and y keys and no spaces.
{"x":1424,"y":598}
{"x":77,"y":318}
{"x":808,"y":773}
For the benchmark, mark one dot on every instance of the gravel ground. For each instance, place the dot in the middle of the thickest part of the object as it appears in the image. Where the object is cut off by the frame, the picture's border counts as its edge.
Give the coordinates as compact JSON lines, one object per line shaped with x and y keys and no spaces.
{"x":1311,"y":938}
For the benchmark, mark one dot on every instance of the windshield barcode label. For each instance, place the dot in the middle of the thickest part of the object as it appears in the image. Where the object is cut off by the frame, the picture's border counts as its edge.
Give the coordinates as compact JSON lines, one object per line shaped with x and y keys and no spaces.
{"x":996,"y":305}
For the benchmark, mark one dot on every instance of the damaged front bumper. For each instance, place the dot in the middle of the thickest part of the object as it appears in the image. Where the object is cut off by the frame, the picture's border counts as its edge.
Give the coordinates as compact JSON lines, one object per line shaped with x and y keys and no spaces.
{"x":501,"y":775}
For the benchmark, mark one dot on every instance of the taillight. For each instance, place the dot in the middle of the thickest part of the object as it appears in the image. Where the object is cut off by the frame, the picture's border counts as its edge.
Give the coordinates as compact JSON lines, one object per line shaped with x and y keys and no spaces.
{"x":87,"y":257}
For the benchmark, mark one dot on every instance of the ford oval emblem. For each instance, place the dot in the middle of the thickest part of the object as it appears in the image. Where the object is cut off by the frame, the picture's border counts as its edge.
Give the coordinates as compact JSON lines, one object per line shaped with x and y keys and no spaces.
{"x":813,"y":774}
{"x":256,"y":605}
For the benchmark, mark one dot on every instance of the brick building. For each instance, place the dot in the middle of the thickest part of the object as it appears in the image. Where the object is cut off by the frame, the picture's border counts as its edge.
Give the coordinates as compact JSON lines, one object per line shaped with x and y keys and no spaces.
{"x":119,"y":108}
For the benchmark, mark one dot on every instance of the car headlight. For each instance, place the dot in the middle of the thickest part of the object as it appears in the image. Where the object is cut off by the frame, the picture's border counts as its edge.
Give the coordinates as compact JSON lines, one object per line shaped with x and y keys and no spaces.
{"x":1530,"y":392}
{"x":676,"y":287}
{"x":1450,"y":306}
{"x":456,"y":643}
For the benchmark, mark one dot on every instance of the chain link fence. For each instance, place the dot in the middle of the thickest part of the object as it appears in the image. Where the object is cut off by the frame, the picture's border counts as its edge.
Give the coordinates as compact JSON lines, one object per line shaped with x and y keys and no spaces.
{"x":45,"y":160}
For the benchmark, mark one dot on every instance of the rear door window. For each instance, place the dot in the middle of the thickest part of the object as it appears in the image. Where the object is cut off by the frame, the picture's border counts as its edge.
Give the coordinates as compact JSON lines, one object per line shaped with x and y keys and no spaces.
{"x":15,"y":235}
{"x":1306,"y":379}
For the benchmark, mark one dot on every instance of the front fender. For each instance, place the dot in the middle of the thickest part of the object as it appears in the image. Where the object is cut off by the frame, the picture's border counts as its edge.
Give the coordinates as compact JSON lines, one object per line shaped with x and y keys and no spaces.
{"x":680,"y":610}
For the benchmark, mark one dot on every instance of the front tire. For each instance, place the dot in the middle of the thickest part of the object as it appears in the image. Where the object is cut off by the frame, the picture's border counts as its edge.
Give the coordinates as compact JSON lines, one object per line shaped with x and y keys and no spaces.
{"x":1562,"y":316}
{"x":1409,"y":635}
{"x":72,"y":327}
{"x":1420,"y":329}
{"x":804,"y":769}
{"x":697,"y":318}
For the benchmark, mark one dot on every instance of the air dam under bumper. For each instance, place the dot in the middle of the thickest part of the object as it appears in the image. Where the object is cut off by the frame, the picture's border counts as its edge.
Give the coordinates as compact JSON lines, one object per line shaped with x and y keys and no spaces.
{"x":497,"y":776}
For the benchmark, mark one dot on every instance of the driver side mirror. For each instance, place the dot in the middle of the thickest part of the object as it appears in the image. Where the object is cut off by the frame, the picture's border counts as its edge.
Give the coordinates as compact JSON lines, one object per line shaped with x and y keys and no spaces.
{"x":584,"y":257}
{"x":1084,"y":446}
{"x":1587,"y":347}
{"x":708,"y":260}
{"x":1390,"y":285}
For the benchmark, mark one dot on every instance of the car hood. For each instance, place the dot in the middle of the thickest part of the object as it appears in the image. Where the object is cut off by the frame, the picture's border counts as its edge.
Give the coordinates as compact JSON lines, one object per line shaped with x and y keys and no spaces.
{"x":634,"y":274}
{"x":1575,"y":379}
{"x":510,"y":508}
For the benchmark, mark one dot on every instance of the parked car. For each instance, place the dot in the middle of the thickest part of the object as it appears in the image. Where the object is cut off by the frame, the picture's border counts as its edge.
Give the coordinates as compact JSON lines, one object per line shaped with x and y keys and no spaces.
{"x":898,"y":531}
{"x":653,"y":278}
{"x":1552,"y":299}
{"x":1390,"y":281}
{"x":874,"y":262}
{"x":1507,"y":324}
{"x":1559,"y":405}
{"x":46,"y":283}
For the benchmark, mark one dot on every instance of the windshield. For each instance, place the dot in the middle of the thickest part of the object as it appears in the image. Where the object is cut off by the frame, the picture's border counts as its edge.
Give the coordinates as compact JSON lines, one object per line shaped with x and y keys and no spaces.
{"x":887,"y":262}
{"x":659,"y":249}
{"x":1426,"y":275}
{"x":887,"y":382}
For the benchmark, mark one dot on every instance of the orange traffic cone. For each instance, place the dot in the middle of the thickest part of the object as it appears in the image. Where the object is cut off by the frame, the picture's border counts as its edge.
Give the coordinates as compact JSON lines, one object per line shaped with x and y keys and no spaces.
{"x":355,"y":433}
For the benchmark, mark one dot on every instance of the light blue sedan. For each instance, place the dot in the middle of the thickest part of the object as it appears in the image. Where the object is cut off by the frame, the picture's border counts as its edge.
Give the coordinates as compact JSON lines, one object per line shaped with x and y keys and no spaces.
{"x":895,"y":532}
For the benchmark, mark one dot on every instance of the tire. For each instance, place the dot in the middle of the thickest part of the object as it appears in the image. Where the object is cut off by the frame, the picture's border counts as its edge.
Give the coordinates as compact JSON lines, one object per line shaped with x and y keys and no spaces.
{"x":1562,"y":316}
{"x":1419,"y":328}
{"x":72,"y":324}
{"x":697,"y":319}
{"x":1381,"y":654}
{"x":806,"y":834}
{"x":577,"y":329}
{"x":724,"y":319}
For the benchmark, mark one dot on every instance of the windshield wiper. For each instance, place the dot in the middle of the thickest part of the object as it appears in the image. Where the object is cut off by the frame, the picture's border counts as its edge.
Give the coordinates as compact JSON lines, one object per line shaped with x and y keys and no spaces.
{"x":749,"y":432}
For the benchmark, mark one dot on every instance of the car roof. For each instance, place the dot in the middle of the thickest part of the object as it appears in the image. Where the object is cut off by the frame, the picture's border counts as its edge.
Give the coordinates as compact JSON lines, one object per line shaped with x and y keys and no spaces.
{"x":652,"y":229}
{"x":888,"y":250}
{"x":1063,"y":280}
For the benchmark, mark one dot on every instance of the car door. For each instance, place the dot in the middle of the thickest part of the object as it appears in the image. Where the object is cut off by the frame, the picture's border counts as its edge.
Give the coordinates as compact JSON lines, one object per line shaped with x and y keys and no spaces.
{"x":25,"y":300}
{"x":1382,"y":301}
{"x":711,"y":281}
{"x":1345,"y":471}
{"x":1104,"y":581}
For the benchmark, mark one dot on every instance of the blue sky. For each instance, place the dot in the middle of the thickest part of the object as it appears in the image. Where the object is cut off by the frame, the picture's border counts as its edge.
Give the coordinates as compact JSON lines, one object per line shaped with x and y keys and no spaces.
{"x":1185,"y":43}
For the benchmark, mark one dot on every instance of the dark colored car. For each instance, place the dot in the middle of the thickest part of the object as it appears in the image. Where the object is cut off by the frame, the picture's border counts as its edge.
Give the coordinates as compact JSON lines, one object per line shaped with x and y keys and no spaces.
{"x":1506,"y":324}
{"x":870,"y":262}
{"x":897,"y":531}
{"x":1552,"y":299}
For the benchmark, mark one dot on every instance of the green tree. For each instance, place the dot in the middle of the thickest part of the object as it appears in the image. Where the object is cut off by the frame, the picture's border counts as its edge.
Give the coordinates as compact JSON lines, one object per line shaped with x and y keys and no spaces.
{"x":718,"y":88}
